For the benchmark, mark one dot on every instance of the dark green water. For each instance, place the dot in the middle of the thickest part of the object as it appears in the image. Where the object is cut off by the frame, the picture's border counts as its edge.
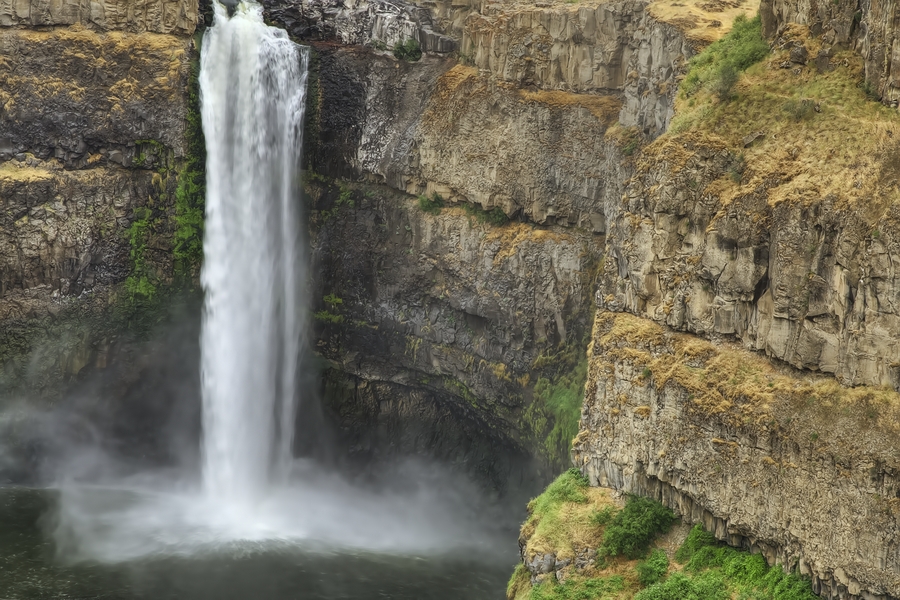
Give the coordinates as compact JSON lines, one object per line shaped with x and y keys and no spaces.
{"x":29,"y":569}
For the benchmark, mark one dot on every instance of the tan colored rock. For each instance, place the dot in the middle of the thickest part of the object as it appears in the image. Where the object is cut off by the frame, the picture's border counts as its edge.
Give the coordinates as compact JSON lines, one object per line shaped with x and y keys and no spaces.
{"x":764,"y":457}
{"x":134,"y":16}
{"x":548,"y":157}
{"x":73,"y":93}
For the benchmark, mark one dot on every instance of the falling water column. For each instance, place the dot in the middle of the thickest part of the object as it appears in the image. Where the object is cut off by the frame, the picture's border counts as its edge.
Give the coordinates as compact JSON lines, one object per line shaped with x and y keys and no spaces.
{"x":253,"y":87}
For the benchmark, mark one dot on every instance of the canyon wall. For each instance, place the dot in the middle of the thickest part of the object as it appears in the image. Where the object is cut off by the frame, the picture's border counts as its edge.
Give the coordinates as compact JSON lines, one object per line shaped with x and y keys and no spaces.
{"x":521,"y":119}
{"x":764,"y":456}
{"x":469,"y":211}
{"x":92,"y":138}
{"x":868,"y":27}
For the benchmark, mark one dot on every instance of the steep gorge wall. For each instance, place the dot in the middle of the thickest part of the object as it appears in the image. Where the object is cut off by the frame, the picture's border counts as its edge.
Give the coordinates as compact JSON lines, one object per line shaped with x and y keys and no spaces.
{"x":868,"y":27}
{"x":514,"y":107}
{"x":92,"y":136}
{"x":765,"y":457}
{"x":445,"y":315}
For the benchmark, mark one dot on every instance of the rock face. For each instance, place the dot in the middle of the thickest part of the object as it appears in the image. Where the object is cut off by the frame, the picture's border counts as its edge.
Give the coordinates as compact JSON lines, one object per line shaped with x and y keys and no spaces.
{"x":92,"y":134}
{"x":602,"y":48}
{"x":134,"y":16}
{"x":606,"y":48}
{"x":108,"y":91}
{"x":447,"y":316}
{"x":808,"y":281}
{"x":869,"y":27}
{"x":377,"y":23}
{"x":765,"y":457}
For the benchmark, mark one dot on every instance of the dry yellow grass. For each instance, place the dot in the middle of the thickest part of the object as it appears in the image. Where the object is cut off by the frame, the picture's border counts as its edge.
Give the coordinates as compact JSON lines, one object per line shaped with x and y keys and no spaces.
{"x":568,"y":530}
{"x":847,"y":145}
{"x":702,"y":21}
{"x":739,"y":386}
{"x":605,"y":108}
{"x":14,"y":172}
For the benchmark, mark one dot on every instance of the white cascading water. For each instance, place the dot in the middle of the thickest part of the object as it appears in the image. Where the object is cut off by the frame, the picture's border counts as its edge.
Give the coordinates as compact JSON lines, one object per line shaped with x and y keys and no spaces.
{"x":253,"y":88}
{"x":253,"y":83}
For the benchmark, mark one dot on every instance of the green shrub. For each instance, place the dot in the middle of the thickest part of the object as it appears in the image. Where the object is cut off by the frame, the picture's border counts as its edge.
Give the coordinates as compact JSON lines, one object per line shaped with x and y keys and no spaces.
{"x":332,"y":301}
{"x":723,"y":82}
{"x":654,"y":568}
{"x":494,"y":216}
{"x":601,"y":518}
{"x":324,"y":316}
{"x":408,"y":50}
{"x":719,"y":65}
{"x":577,"y":588}
{"x":746,"y":573}
{"x":707,"y":586}
{"x":696,"y":539}
{"x":634,"y":527}
{"x":431,"y":205}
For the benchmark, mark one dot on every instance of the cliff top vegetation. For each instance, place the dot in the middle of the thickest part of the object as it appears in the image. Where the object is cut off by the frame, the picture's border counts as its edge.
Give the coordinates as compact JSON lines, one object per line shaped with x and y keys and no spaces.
{"x":800,"y":122}
{"x":629,"y":549}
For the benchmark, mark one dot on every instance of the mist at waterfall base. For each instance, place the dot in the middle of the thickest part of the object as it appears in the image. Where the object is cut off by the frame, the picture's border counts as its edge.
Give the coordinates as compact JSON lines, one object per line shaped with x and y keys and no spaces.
{"x":242,"y":517}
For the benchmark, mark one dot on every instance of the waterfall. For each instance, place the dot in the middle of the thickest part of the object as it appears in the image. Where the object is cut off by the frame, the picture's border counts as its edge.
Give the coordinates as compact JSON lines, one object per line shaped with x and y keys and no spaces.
{"x":253,"y":89}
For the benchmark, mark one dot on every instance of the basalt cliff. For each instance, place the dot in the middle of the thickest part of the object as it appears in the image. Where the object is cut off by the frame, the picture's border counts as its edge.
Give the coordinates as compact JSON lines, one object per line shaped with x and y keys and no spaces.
{"x":552,"y":203}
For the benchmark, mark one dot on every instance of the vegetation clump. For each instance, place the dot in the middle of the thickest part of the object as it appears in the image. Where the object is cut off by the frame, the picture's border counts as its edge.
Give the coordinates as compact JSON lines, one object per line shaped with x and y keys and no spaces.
{"x":561,"y":397}
{"x":580,"y":515}
{"x":408,"y":50}
{"x":630,"y":532}
{"x":331,"y":315}
{"x":141,"y":283}
{"x":714,"y":571}
{"x":190,"y":194}
{"x":431,"y":205}
{"x":654,"y":568}
{"x":494,"y":216}
{"x":719,"y":66}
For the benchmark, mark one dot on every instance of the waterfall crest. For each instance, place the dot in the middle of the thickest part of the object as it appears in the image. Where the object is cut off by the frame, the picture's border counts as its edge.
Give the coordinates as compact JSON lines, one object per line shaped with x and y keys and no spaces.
{"x":253,"y":90}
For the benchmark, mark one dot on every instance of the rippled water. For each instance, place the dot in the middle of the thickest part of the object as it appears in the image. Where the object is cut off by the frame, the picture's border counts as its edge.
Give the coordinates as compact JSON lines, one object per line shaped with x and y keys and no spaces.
{"x":32,"y":564}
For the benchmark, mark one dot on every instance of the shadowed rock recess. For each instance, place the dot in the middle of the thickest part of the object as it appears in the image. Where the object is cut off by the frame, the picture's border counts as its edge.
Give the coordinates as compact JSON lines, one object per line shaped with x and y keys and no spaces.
{"x":474,"y":212}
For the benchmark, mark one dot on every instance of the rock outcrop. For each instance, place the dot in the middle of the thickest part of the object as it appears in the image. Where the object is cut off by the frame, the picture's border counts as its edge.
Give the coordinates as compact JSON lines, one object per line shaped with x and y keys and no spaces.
{"x":177,"y":17}
{"x":92,"y":136}
{"x":868,"y":27}
{"x":765,"y":457}
{"x":447,"y":316}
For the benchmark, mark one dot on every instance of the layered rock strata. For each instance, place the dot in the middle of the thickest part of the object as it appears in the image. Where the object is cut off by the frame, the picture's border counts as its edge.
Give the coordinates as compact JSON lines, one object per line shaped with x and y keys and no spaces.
{"x":450,"y":315}
{"x":92,"y":126}
{"x":177,"y":17}
{"x":766,"y":457}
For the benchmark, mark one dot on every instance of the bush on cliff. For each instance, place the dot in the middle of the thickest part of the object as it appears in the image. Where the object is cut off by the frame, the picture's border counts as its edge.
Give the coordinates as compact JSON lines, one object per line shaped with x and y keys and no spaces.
{"x":408,"y":50}
{"x":654,"y":568}
{"x":431,"y":205}
{"x":718,"y":66}
{"x":634,"y":527}
{"x":722,"y":572}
